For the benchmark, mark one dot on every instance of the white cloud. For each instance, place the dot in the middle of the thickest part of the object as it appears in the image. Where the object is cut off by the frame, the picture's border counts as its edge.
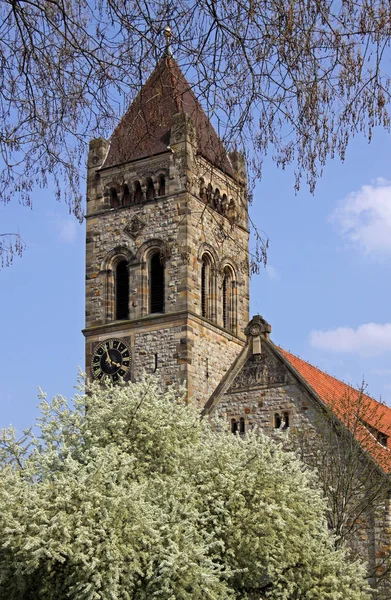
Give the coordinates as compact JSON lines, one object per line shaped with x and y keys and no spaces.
{"x":369,"y":339}
{"x":364,"y":217}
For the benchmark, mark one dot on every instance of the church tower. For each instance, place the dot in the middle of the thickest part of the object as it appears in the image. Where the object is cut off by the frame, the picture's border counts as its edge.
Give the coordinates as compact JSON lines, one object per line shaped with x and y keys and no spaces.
{"x":167,"y":267}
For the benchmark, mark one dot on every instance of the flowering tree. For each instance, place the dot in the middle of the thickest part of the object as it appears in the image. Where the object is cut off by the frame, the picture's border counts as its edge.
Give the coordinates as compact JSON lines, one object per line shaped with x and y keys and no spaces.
{"x":128,"y":495}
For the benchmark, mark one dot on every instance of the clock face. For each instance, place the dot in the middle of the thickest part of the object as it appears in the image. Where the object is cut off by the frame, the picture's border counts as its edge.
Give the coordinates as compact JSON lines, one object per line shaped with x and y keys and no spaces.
{"x":111,"y":360}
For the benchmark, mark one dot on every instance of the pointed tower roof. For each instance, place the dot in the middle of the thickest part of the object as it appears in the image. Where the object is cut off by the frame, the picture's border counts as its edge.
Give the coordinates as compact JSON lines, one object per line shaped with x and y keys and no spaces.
{"x":145,"y":128}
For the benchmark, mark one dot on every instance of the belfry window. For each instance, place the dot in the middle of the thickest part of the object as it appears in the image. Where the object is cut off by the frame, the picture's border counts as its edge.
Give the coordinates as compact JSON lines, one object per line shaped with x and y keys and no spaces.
{"x":229,"y":316}
{"x":114,"y":200}
{"x":150,"y":189}
{"x":138,"y":194}
{"x":122,"y":291}
{"x":127,"y":197}
{"x":206,"y":287}
{"x":162,"y":186}
{"x":156,"y":283}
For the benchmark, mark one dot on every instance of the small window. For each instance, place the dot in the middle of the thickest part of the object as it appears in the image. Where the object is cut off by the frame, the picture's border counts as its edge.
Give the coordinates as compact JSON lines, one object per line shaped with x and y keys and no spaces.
{"x":242,"y":426}
{"x":138,"y":194}
{"x":150,"y":189}
{"x":286,"y":420}
{"x":277,"y":421}
{"x":162,"y":186}
{"x":234,"y":426}
{"x":156,"y":284}
{"x":122,"y":291}
{"x":114,"y":200}
{"x":127,"y":197}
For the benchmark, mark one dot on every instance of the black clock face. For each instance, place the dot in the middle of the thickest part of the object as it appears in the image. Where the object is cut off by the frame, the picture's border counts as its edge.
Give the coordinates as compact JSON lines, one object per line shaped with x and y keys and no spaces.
{"x":111,"y":360}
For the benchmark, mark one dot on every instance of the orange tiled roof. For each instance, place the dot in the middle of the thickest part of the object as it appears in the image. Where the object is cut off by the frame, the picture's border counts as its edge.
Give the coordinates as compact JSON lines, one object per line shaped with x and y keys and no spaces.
{"x":354,"y":408}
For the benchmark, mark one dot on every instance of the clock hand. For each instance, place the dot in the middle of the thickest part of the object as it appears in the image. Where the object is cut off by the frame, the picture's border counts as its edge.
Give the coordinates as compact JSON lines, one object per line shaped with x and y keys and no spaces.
{"x":116,"y":364}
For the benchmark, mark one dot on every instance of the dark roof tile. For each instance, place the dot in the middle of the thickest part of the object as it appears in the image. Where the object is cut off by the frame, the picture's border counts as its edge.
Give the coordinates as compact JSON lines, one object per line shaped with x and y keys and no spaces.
{"x":145,"y":128}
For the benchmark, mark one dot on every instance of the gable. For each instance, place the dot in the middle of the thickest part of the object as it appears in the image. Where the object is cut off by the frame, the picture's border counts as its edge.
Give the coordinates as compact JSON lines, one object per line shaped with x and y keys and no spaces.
{"x":273,"y":382}
{"x":260,"y":371}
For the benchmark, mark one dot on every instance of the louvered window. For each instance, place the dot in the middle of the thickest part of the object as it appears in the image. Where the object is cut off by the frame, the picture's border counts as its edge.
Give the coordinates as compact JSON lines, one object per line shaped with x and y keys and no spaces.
{"x":156,"y":284}
{"x":122,"y":291}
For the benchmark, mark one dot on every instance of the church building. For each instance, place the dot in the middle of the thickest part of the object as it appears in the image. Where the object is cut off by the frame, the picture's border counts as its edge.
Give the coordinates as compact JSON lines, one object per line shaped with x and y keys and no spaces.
{"x":167,"y":286}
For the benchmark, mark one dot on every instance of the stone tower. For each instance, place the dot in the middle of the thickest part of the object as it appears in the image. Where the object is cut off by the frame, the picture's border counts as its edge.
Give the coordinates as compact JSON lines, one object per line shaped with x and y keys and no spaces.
{"x":167,"y":269}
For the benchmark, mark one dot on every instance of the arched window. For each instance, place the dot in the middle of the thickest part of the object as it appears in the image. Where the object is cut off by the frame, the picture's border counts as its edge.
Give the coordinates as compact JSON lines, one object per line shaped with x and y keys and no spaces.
{"x":127,"y":197}
{"x":234,"y":425}
{"x":224,"y":204}
{"x":209,"y":194}
{"x":162,"y":186}
{"x":206,"y":287}
{"x":231,"y":210}
{"x":242,"y":426}
{"x":277,"y":421}
{"x":156,"y":283}
{"x":122,"y":290}
{"x":150,"y":189}
{"x":229,"y":313}
{"x":217,"y":200}
{"x":114,"y":200}
{"x":138,"y":194}
{"x":203,"y":193}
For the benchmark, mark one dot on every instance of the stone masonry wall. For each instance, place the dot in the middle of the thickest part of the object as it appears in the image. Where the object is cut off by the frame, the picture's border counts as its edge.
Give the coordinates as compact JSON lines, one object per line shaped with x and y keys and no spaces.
{"x":158,"y":220}
{"x":212,"y":354}
{"x":227,"y":244}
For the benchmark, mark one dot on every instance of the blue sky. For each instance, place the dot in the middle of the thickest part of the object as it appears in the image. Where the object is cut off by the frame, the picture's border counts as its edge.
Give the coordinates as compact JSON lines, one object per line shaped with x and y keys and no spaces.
{"x":326,"y":291}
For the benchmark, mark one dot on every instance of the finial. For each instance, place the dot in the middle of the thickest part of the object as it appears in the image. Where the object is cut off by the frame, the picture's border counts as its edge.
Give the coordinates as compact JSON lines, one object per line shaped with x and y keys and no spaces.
{"x":168,"y":36}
